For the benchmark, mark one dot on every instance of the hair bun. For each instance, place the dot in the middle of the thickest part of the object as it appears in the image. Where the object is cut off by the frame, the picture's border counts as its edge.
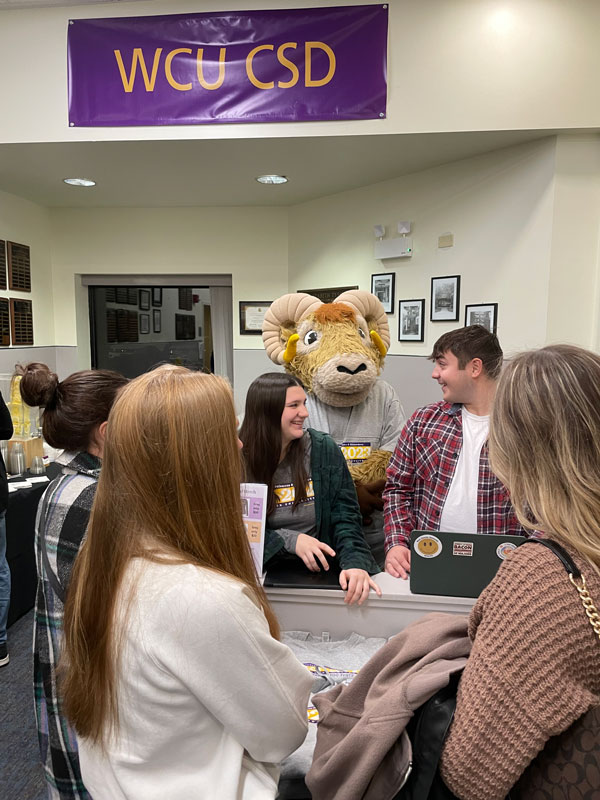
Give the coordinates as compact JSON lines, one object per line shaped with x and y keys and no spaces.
{"x":39,"y":385}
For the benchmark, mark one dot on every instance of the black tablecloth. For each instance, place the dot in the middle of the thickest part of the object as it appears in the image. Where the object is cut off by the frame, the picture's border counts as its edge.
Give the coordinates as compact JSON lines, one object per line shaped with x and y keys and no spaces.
{"x":20,"y":551}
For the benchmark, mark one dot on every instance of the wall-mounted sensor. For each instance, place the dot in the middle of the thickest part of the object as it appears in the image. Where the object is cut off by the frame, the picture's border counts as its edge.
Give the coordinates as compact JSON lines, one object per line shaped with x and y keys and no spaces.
{"x":400,"y":247}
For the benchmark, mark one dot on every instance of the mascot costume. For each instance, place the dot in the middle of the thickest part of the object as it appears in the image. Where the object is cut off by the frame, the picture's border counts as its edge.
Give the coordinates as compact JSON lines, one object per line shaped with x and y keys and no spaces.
{"x":337,"y":351}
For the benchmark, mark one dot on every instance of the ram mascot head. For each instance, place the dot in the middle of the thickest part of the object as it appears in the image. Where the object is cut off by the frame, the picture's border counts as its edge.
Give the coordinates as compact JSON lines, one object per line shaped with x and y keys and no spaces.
{"x":335,"y":349}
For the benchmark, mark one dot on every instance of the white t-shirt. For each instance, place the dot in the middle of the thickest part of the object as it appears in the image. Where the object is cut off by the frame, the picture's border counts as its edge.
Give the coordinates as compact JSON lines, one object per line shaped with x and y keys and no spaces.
{"x":460,"y":509}
{"x":209,"y":702}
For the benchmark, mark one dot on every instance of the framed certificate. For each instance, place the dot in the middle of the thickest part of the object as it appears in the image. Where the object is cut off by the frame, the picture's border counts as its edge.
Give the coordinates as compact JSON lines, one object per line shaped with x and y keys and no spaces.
{"x":252,"y":315}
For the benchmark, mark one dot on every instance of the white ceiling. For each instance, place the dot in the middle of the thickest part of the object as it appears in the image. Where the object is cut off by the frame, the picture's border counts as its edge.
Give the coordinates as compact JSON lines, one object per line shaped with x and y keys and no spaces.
{"x":222,"y":172}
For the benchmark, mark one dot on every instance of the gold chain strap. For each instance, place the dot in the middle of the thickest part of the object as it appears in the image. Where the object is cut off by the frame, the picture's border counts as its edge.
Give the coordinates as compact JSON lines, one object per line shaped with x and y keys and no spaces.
{"x":588,"y":604}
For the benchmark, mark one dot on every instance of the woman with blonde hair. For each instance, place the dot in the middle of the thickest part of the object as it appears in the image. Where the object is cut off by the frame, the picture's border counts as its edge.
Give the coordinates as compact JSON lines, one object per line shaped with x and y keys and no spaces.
{"x":534,"y":669}
{"x":175,"y":680}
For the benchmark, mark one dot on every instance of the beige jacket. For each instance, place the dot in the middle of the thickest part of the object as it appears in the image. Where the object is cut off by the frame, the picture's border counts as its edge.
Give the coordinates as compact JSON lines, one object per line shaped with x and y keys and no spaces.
{"x":362,"y":751}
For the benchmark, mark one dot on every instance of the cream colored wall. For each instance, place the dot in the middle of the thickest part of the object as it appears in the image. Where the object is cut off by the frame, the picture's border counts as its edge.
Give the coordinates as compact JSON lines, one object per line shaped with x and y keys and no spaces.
{"x":248,"y":243}
{"x":498,"y":206}
{"x":453,"y":65}
{"x":573,"y":302}
{"x":27,"y":223}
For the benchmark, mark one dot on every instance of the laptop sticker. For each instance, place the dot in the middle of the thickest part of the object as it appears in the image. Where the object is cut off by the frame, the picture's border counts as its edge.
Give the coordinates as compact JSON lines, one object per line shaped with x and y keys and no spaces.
{"x":462,"y":548}
{"x":504,"y":549}
{"x":428,"y":546}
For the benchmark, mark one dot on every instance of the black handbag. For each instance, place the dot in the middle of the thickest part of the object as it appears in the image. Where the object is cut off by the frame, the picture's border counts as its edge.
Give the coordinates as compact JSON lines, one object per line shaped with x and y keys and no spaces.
{"x":429,"y":727}
{"x":427,"y":731}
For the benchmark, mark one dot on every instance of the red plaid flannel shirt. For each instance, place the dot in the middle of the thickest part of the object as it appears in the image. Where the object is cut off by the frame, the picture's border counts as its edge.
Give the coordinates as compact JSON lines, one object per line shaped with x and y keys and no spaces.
{"x":420,"y":473}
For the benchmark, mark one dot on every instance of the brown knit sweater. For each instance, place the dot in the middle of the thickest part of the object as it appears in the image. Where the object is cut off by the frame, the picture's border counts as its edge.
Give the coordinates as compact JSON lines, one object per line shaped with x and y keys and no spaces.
{"x":533,"y":670}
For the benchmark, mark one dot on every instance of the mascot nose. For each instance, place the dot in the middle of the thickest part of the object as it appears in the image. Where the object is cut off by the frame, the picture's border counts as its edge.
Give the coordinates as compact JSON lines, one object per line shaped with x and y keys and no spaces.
{"x":360,"y":368}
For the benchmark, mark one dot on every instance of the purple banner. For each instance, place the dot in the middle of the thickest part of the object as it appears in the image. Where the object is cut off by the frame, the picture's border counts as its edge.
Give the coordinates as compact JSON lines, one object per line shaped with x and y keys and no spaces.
{"x":259,"y":66}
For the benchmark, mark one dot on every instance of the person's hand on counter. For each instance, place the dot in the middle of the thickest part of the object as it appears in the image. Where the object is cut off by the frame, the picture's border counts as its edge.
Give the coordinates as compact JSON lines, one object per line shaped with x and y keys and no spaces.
{"x":357,"y":583}
{"x":312,"y":551}
{"x":397,"y":561}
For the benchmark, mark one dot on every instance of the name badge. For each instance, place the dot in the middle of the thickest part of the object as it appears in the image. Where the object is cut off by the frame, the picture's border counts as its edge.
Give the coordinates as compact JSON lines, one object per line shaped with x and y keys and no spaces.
{"x":356,"y":452}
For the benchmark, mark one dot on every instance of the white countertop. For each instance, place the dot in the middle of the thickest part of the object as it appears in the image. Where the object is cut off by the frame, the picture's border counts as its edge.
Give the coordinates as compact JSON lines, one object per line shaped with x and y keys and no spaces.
{"x":318,"y":610}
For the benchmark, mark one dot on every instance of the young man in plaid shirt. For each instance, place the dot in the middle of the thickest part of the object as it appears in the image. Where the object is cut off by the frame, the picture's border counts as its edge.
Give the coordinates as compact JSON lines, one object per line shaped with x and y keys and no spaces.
{"x":439,"y":477}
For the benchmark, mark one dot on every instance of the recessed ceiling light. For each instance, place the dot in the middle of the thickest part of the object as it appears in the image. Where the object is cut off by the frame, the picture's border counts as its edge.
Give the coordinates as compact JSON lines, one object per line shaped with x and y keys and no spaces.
{"x":79,"y":181}
{"x":272,"y":180}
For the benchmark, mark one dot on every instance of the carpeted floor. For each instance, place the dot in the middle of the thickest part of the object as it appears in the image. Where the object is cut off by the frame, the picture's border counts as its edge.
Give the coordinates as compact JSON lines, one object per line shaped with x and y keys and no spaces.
{"x":21,"y":775}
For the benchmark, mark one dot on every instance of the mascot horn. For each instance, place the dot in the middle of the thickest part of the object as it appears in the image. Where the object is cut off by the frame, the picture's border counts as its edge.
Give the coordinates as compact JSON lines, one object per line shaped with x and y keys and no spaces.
{"x":337,"y":351}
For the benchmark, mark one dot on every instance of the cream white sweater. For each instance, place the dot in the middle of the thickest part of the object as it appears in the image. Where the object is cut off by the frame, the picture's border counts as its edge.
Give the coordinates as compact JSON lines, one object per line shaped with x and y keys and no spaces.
{"x":209,"y":702}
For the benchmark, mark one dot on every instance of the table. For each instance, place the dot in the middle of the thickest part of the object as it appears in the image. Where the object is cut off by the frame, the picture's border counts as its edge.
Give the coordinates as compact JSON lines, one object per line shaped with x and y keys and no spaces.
{"x":20,"y":544}
{"x":319,"y":610}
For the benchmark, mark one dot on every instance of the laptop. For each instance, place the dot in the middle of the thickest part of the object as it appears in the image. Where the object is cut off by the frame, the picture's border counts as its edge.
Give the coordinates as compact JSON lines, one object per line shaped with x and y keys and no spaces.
{"x":293,"y":574}
{"x":456,"y":564}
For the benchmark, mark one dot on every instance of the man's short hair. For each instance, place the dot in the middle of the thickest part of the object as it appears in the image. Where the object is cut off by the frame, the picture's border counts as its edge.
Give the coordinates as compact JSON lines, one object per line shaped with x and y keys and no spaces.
{"x":473,"y":341}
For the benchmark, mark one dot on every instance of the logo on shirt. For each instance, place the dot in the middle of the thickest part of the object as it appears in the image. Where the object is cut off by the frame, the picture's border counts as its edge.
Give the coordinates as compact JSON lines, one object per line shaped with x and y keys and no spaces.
{"x":462,"y":548}
{"x":504,"y":549}
{"x":356,"y":452}
{"x":428,"y":546}
{"x":286,"y":494}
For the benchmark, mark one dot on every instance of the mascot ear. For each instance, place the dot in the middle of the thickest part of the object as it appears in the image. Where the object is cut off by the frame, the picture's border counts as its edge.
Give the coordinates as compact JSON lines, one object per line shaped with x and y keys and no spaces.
{"x":281,"y":322}
{"x":370,"y":308}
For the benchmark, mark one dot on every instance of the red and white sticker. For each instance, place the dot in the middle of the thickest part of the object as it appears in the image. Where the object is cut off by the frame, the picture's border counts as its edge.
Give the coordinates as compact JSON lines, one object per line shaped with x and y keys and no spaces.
{"x":462,"y":548}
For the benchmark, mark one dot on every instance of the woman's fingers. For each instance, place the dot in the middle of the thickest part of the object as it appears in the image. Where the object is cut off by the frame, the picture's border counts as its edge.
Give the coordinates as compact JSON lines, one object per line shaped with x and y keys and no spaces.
{"x":357,"y":583}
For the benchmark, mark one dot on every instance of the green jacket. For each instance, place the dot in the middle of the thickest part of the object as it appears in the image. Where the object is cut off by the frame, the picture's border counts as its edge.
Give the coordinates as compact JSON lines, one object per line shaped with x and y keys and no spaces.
{"x":338,"y":519}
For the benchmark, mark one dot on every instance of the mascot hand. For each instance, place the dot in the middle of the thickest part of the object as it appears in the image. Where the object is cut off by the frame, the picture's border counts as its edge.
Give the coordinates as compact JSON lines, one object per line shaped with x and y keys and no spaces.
{"x":369,"y":498}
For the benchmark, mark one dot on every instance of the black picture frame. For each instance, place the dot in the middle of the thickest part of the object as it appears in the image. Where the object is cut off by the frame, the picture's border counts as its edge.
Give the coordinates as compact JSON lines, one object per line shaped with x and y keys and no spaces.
{"x":144,"y":299}
{"x":186,"y":300}
{"x":383,"y":286}
{"x":411,"y":325}
{"x":329,"y":294}
{"x":144,"y":323}
{"x":445,"y":298}
{"x":485,"y":314}
{"x":252,"y":314}
{"x":156,"y":320}
{"x":156,"y":297}
{"x":185,"y":326}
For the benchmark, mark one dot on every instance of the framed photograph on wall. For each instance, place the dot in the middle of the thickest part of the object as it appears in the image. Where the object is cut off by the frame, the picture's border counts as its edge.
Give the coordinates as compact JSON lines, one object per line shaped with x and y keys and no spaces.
{"x":252,"y":315}
{"x":382,"y":286}
{"x":411,"y":316}
{"x":157,"y":297}
{"x":156,"y":321}
{"x":185,"y":326}
{"x":445,"y":298}
{"x":144,"y":299}
{"x":327,"y":295}
{"x":144,"y":323}
{"x":485,"y":314}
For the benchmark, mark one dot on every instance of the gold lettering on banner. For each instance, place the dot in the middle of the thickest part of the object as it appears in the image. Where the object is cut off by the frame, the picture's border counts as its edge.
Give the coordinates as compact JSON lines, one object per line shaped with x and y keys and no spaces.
{"x":250,"y":71}
{"x":200,"y":71}
{"x":138,"y":58}
{"x":289,"y":64}
{"x":181,"y":87}
{"x":308,"y":48}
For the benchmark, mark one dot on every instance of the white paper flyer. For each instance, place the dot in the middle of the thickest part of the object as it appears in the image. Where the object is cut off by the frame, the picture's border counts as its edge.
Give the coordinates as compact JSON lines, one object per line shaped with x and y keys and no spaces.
{"x":254,"y":510}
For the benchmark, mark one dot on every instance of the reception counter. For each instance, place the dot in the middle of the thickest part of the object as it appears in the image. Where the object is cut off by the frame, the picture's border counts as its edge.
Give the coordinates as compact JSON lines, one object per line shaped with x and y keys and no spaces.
{"x":323,"y":610}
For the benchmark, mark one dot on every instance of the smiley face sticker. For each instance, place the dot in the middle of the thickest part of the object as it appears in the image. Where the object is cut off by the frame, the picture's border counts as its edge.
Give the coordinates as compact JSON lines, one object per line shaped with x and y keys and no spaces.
{"x":428,"y":546}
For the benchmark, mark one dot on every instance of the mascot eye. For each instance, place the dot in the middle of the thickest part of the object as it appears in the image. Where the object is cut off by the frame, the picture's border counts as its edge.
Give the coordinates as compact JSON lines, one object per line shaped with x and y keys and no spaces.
{"x":362,"y":333}
{"x":311,"y":337}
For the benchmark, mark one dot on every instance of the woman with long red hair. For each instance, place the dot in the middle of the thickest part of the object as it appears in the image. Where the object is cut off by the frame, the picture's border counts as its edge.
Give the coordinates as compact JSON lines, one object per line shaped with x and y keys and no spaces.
{"x":175,"y":680}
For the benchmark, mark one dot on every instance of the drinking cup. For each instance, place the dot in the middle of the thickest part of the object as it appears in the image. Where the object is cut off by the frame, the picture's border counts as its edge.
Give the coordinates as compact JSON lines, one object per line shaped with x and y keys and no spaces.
{"x":37,"y":466}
